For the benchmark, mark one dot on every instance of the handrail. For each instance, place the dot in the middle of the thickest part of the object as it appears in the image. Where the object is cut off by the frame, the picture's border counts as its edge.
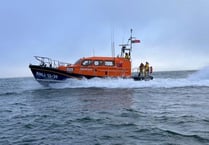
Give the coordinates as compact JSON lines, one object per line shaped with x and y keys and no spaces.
{"x":48,"y":62}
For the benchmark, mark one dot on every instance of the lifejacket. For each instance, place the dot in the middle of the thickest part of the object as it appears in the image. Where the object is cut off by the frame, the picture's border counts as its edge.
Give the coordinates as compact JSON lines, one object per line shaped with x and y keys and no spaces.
{"x":147,"y":67}
{"x":141,"y":67}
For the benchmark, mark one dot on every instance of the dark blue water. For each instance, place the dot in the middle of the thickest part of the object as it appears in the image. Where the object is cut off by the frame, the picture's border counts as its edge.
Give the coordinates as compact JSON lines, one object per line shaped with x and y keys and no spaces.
{"x":171,"y":109}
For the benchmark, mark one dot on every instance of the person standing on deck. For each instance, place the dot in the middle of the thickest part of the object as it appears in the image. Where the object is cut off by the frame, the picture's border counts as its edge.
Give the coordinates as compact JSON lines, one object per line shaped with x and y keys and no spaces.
{"x":146,"y":69}
{"x":141,"y":70}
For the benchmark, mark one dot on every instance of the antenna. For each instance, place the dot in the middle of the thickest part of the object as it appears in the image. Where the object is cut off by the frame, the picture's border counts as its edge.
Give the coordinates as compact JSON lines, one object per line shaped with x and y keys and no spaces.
{"x":131,"y":39}
{"x":93,"y":52}
{"x":112,"y":44}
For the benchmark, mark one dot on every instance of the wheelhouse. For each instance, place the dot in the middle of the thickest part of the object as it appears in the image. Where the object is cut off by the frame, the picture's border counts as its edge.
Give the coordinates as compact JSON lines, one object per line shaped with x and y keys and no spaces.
{"x":101,"y":67}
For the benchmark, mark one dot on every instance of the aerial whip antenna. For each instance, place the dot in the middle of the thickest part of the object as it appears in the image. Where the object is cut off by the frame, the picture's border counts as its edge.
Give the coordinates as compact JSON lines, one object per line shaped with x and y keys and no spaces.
{"x":131,"y":39}
{"x":112,"y":43}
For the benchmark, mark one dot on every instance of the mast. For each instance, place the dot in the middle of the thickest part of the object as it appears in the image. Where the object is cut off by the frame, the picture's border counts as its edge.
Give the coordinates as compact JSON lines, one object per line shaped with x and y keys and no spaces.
{"x":127,"y":48}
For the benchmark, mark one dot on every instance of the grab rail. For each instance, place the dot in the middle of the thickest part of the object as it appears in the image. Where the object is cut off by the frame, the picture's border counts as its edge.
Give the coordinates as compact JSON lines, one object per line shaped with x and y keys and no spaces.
{"x":48,"y":62}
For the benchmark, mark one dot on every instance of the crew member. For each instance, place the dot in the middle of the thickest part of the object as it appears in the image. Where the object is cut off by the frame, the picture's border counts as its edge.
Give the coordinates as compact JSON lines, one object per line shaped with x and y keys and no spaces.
{"x":127,"y":56}
{"x":141,"y":70}
{"x":146,"y":69}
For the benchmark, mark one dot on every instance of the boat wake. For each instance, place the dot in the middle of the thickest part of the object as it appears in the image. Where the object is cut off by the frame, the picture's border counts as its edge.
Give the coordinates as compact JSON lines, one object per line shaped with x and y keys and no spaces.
{"x":197,"y":79}
{"x":129,"y":83}
{"x":202,"y":74}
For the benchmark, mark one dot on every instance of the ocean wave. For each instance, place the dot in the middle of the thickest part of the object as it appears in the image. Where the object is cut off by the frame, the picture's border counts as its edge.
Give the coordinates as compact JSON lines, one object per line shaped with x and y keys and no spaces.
{"x":8,"y":93}
{"x":194,"y":137}
{"x":168,"y":136}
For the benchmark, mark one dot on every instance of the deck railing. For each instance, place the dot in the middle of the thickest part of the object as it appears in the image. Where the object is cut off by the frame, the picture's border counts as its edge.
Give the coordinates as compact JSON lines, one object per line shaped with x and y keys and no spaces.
{"x":48,"y":62}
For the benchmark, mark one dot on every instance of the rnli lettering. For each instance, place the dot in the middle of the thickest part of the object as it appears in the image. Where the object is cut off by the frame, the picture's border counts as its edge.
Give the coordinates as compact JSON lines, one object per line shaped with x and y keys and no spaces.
{"x":46,"y":75}
{"x":86,"y":69}
{"x":40,"y":74}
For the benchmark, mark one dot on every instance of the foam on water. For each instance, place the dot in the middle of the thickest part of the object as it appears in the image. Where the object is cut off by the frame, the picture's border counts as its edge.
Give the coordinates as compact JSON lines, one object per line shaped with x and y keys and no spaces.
{"x":129,"y":83}
{"x":198,"y":78}
{"x":202,"y":74}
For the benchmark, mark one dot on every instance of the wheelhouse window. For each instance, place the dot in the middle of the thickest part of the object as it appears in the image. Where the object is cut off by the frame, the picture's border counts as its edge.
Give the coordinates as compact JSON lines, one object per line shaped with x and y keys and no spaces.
{"x":86,"y":62}
{"x":109,"y":63}
{"x":98,"y":62}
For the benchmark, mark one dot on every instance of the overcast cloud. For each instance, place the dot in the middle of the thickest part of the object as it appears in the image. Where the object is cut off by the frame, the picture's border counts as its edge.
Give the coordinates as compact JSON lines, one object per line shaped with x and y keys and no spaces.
{"x":174,"y":34}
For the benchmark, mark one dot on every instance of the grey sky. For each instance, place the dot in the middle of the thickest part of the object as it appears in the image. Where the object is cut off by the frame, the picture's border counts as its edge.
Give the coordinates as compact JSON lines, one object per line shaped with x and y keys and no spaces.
{"x":174,"y":34}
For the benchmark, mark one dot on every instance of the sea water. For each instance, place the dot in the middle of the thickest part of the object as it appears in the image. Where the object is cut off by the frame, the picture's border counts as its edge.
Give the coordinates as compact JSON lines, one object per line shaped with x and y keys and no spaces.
{"x":171,"y":109}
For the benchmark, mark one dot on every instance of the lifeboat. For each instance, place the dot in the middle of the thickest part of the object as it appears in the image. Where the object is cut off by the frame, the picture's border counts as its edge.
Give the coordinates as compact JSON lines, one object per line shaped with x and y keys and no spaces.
{"x":49,"y":71}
